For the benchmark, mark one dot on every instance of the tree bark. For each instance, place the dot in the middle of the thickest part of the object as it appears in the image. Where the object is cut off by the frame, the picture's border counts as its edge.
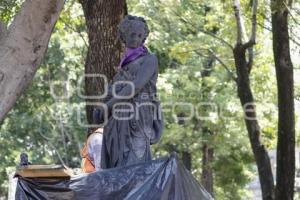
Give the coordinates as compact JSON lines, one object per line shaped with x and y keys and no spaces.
{"x":286,"y":116}
{"x":104,"y":52}
{"x":185,"y":155}
{"x":247,"y":101}
{"x":207,"y":178}
{"x":187,"y":160}
{"x":23,"y":47}
{"x":243,"y":69}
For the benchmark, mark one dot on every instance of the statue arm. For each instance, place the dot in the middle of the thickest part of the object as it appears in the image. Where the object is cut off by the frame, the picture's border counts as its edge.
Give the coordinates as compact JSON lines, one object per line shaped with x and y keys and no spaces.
{"x":144,"y":74}
{"x":146,"y":71}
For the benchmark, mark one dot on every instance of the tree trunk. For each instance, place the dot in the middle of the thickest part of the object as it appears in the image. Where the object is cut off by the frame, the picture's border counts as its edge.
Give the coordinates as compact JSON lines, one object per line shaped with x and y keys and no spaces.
{"x":285,"y":86}
{"x":22,"y":48}
{"x":187,"y":160}
{"x":207,"y":178}
{"x":104,"y":52}
{"x":185,"y":155}
{"x":247,"y":102}
{"x":243,"y":69}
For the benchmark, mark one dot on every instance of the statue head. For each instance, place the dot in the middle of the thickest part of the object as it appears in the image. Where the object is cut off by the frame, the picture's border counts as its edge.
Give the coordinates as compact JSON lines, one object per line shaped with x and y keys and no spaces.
{"x":24,"y":159}
{"x":133,"y":31}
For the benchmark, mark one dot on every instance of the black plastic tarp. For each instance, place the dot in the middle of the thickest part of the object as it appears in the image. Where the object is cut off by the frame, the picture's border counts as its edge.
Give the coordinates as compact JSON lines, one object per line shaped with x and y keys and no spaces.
{"x":161,"y":179}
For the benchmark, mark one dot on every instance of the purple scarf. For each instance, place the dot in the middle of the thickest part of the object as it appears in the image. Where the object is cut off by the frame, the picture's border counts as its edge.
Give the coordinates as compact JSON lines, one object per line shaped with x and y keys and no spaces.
{"x":131,"y":54}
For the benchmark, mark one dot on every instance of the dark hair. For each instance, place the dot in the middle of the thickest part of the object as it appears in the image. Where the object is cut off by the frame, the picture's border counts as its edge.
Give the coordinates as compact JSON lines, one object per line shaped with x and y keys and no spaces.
{"x":90,"y":132}
{"x":127,"y":23}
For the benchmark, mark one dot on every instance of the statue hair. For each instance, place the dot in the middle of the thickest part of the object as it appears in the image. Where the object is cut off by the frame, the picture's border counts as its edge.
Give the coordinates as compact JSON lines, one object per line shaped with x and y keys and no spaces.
{"x":127,"y":22}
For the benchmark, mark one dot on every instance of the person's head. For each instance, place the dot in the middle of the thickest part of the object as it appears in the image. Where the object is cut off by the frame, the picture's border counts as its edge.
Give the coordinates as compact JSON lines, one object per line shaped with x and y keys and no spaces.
{"x":133,"y":31}
{"x":93,"y":130}
{"x":90,"y":132}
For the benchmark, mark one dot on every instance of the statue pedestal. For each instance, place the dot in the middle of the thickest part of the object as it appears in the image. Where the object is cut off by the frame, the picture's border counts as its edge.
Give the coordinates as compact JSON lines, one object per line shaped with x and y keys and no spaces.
{"x":38,"y":171}
{"x":164,"y":178}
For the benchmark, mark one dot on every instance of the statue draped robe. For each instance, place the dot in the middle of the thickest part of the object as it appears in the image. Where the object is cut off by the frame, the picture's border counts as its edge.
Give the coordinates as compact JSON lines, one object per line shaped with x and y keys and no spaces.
{"x":136,"y":121}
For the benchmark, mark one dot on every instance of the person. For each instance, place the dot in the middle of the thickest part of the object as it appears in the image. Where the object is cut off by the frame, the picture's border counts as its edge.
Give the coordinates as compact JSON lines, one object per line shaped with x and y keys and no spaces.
{"x":91,"y":152}
{"x":131,"y":112}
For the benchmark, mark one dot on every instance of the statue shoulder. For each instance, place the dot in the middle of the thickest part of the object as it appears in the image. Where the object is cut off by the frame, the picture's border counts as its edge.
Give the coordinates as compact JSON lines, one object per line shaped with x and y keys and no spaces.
{"x":151,"y":58}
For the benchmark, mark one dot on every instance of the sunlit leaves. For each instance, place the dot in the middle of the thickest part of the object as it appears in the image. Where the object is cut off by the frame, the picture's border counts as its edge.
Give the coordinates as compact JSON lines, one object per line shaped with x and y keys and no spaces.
{"x":8,"y":8}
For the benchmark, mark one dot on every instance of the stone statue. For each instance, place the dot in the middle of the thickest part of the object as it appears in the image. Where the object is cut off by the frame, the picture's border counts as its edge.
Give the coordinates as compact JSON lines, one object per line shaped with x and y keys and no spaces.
{"x":131,"y":107}
{"x":24,"y":159}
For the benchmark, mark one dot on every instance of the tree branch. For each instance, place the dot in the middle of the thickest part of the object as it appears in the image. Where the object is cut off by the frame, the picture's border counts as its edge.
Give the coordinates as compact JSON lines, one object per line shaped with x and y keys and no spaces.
{"x":231,"y":74}
{"x":252,"y":40}
{"x":295,"y":38}
{"x":211,"y":52}
{"x":239,"y":24}
{"x":203,"y":31}
{"x":290,"y":13}
{"x":292,"y":34}
{"x":74,"y":29}
{"x":51,"y":145}
{"x":24,"y":48}
{"x":249,"y":45}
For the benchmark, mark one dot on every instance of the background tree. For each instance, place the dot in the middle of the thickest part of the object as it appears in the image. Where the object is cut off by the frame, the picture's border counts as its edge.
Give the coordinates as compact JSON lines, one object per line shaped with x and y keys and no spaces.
{"x":23,"y":47}
{"x":285,"y":171}
{"x":48,"y":120}
{"x":186,"y":42}
{"x":244,"y":66}
{"x":104,"y":52}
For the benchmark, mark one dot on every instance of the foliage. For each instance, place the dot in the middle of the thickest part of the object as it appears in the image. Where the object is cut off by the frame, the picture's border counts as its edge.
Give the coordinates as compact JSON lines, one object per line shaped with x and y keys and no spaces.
{"x":8,"y":8}
{"x":187,"y":36}
{"x":42,"y":123}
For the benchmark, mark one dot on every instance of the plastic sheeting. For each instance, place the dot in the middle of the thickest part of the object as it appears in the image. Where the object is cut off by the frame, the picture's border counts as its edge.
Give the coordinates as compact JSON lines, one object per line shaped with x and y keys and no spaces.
{"x":161,"y":179}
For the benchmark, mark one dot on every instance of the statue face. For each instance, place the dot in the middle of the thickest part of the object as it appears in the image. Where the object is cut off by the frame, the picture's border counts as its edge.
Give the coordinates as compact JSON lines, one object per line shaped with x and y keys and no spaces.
{"x":134,"y":36}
